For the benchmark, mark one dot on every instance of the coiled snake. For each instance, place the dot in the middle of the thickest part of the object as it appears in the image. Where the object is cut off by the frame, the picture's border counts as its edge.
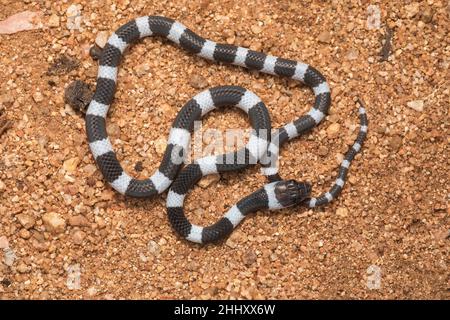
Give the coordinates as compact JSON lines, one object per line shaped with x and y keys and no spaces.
{"x":262,"y":147}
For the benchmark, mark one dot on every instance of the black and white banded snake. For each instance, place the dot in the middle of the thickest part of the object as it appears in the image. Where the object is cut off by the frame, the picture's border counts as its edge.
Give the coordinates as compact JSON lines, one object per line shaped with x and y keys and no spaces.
{"x":276,"y":194}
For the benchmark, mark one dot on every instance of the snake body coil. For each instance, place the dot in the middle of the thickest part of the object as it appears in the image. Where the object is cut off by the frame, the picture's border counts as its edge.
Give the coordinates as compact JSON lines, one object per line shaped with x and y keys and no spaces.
{"x":262,"y":145}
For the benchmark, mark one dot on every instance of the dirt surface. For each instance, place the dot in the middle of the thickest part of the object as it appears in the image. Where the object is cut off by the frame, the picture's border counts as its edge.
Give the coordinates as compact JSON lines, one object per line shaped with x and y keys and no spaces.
{"x":64,"y":233}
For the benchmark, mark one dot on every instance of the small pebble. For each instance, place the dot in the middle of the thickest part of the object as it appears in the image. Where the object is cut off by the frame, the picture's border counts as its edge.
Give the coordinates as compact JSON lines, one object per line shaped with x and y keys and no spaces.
{"x":25,"y":234}
{"x":53,"y":21}
{"x":333,"y":130}
{"x":9,"y":256}
{"x":396,"y":142}
{"x":412,"y":10}
{"x":416,"y":105}
{"x":89,"y":169}
{"x":352,"y":54}
{"x":37,"y":97}
{"x":101,"y":39}
{"x":160,"y":145}
{"x":26,"y":220}
{"x":206,"y":181}
{"x":342,"y":212}
{"x":23,"y":268}
{"x":113,"y":129}
{"x":256,"y":29}
{"x":92,"y":291}
{"x":324,"y":37}
{"x":54,"y":223}
{"x":142,"y":69}
{"x":78,"y":221}
{"x":322,"y":151}
{"x":427,"y":14}
{"x":74,"y":17}
{"x":198,"y":82}
{"x":153,"y":247}
{"x":4,"y":243}
{"x":78,"y":237}
{"x":70,"y":165}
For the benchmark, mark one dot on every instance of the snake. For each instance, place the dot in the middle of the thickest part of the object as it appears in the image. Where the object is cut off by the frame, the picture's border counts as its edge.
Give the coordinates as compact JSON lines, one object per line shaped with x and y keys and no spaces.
{"x":263,"y":144}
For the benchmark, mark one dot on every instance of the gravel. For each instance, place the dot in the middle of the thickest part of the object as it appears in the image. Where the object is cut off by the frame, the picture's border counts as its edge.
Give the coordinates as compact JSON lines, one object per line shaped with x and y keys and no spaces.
{"x":391,"y":216}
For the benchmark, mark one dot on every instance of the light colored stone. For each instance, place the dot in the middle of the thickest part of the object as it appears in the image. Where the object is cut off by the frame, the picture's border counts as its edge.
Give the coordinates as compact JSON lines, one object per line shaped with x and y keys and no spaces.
{"x":143,"y":69}
{"x":74,"y":17}
{"x":78,"y":221}
{"x":160,"y":145}
{"x":92,"y":291}
{"x":26,"y":220}
{"x":206,"y":181}
{"x":78,"y":236}
{"x":24,"y":234}
{"x":37,"y":97}
{"x":342,"y":212}
{"x":416,"y":105}
{"x":333,"y":130}
{"x":412,"y":10}
{"x":2,"y":185}
{"x":322,"y":151}
{"x":101,"y":38}
{"x":89,"y":169}
{"x":4,"y":243}
{"x":256,"y":29}
{"x":352,"y":54}
{"x":113,"y":130}
{"x":324,"y":37}
{"x":23,"y":268}
{"x":70,"y":165}
{"x":54,"y":223}
{"x":53,"y":21}
{"x":153,"y":247}
{"x":9,"y":256}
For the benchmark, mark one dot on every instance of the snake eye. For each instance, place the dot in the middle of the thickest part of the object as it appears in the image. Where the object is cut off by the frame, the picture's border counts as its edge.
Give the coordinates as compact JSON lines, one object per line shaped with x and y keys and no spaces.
{"x":291,"y":192}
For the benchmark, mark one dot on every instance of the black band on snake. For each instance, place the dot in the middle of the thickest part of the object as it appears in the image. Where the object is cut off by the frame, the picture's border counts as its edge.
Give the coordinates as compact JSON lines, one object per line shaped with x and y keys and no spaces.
{"x":262,"y":147}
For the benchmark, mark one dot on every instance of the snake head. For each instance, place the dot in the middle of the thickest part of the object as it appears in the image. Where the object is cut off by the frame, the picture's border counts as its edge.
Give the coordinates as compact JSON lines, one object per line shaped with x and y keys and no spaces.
{"x":291,"y":192}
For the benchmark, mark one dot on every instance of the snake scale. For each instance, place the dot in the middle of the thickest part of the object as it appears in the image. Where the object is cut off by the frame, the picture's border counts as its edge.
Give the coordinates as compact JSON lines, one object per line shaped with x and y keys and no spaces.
{"x":262,"y":146}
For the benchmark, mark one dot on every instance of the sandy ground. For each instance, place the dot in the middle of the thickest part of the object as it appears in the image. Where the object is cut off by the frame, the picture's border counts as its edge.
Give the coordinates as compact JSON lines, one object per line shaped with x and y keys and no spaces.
{"x":386,"y":236}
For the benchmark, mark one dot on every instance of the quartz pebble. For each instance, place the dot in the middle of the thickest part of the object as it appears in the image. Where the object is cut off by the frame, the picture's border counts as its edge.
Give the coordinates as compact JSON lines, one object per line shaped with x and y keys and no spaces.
{"x":37,"y":97}
{"x":26,"y":220}
{"x":53,"y":21}
{"x":412,"y":9}
{"x":54,"y":223}
{"x":101,"y":38}
{"x":342,"y":212}
{"x":4,"y":242}
{"x":416,"y":105}
{"x":333,"y":130}
{"x":70,"y":165}
{"x":74,"y":17}
{"x":78,"y":237}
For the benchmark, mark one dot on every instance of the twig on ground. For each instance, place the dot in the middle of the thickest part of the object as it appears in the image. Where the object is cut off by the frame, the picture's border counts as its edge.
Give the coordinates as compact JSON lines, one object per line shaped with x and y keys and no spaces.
{"x":4,"y":125}
{"x":387,"y":46}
